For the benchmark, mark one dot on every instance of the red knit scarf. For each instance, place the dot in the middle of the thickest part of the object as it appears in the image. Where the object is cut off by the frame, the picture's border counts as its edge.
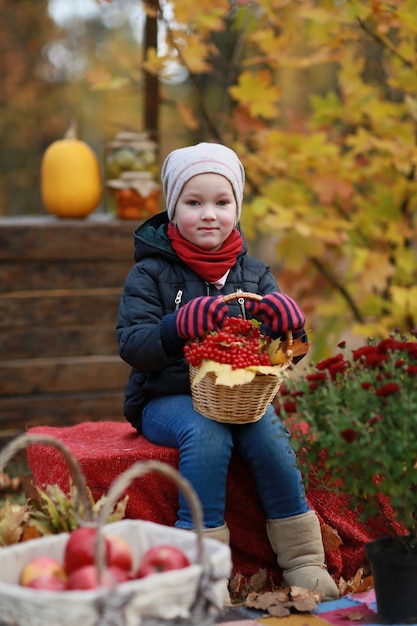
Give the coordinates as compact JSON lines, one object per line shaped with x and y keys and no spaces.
{"x":209,"y":264}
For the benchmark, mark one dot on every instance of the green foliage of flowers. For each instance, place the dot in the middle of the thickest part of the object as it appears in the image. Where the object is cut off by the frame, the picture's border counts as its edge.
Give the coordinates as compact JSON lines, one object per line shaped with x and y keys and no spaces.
{"x":357,"y":427}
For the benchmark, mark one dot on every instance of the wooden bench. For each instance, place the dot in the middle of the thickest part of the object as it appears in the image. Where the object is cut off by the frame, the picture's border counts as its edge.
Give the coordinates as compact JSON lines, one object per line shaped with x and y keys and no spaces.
{"x":60,"y":285}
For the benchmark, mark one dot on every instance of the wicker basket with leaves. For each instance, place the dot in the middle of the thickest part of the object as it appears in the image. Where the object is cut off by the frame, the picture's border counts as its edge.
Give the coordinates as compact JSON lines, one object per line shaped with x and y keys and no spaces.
{"x":238,"y":394}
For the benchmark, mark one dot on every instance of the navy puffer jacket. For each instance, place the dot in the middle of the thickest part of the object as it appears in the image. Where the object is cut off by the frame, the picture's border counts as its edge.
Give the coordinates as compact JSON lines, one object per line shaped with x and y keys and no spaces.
{"x":157,"y":285}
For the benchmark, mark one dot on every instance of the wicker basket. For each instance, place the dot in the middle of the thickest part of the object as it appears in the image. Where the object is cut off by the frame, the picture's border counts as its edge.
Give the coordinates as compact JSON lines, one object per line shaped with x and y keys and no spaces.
{"x":240,"y":404}
{"x":190,"y":596}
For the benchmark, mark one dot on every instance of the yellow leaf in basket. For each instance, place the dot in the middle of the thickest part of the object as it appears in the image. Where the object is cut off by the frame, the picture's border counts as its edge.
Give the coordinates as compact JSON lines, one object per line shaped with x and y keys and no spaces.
{"x":225,"y":375}
{"x":300,"y":347}
{"x":271,"y":370}
{"x":229,"y":377}
{"x":239,"y":376}
{"x":278,"y":353}
{"x":205,"y":368}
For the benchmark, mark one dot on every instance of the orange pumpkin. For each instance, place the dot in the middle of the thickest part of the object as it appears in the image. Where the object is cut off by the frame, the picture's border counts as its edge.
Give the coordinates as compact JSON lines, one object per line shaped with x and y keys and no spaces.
{"x":71,"y":183}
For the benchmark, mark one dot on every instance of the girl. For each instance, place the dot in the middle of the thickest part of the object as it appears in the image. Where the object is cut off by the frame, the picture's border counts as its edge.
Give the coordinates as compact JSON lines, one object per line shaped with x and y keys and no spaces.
{"x":187,"y":258}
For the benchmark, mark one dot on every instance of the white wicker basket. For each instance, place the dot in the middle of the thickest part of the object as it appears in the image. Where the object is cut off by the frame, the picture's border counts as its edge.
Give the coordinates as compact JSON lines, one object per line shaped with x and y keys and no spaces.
{"x":190,"y":596}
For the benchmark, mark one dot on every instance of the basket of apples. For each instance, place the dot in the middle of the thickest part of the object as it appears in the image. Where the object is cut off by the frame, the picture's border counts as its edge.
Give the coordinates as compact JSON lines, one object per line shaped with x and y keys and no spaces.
{"x":126,"y":573}
{"x":235,"y":373}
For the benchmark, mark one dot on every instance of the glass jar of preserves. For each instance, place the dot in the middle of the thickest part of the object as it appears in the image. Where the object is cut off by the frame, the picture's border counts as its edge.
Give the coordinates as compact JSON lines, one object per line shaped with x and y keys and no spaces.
{"x":132,"y":171}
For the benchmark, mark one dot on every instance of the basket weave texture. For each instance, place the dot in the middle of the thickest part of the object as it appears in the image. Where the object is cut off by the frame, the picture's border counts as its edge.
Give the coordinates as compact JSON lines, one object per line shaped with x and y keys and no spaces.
{"x":191,"y":596}
{"x":240,"y":404}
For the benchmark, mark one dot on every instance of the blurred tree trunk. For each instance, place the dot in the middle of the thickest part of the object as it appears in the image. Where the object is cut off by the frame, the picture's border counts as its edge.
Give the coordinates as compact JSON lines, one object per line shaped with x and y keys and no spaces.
{"x":151,"y":108}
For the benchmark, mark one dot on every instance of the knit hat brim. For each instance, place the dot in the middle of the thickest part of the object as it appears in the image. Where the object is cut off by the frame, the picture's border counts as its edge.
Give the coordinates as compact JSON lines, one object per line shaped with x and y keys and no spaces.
{"x":203,"y":158}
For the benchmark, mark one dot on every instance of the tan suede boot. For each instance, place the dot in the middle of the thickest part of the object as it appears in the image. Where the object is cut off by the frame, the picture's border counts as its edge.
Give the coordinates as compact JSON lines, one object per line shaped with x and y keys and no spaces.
{"x":298,"y":544}
{"x":221,"y":533}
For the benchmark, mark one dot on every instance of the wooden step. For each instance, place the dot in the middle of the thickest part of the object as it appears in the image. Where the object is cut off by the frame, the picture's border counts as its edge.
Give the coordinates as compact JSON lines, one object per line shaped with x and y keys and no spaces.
{"x":32,"y":342}
{"x":60,"y":286}
{"x":63,"y":374}
{"x":59,"y":307}
{"x":47,"y":237}
{"x":37,"y":274}
{"x":17,"y":413}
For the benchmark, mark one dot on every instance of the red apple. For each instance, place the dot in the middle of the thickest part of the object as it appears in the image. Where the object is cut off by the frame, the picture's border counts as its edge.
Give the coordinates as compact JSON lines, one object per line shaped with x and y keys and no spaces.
{"x":87,"y":578}
{"x":80,"y":548}
{"x":41,"y":566}
{"x":161,"y":559}
{"x":81,"y":545}
{"x":119,"y":553}
{"x":119,"y":574}
{"x":49,"y":582}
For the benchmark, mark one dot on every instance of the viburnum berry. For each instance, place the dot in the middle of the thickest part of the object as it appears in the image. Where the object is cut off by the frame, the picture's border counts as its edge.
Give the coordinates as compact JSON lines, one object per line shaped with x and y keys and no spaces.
{"x":239,"y":343}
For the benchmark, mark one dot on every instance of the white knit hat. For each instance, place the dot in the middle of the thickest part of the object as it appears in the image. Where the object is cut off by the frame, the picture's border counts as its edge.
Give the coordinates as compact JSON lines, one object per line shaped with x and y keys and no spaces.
{"x":204,"y":158}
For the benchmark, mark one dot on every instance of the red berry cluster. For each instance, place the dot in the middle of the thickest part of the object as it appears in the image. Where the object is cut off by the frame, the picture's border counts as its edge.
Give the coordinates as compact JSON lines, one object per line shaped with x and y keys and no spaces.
{"x":239,"y":343}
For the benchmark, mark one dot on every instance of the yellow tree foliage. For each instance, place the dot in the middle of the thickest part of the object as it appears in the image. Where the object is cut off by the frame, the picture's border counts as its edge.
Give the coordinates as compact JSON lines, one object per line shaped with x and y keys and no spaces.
{"x":319,"y":99}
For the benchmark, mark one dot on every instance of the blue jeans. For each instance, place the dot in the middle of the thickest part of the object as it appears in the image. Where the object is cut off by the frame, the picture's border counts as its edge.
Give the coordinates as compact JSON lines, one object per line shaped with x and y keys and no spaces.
{"x":205,"y":448}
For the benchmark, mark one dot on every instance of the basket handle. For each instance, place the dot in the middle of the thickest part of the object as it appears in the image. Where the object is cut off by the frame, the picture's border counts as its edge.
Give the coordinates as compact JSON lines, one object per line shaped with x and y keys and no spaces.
{"x":242,"y":294}
{"x":21,"y":442}
{"x":289,"y":340}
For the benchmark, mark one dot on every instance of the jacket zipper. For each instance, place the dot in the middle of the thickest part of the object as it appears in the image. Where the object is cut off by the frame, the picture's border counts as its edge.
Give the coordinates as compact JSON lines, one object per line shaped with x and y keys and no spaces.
{"x":241,"y":302}
{"x":178,"y":299}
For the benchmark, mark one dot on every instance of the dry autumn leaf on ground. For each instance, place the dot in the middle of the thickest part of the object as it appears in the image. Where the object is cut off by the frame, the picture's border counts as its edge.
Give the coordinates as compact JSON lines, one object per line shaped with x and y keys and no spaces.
{"x":283,"y":602}
{"x":240,"y":586}
{"x":8,"y":483}
{"x":331,"y":538}
{"x":13,"y":519}
{"x":358,"y":583}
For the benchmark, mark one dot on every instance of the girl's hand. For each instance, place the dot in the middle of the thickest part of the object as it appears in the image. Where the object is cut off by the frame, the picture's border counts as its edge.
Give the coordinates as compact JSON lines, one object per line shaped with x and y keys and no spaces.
{"x":198,"y":316}
{"x":280,"y":312}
